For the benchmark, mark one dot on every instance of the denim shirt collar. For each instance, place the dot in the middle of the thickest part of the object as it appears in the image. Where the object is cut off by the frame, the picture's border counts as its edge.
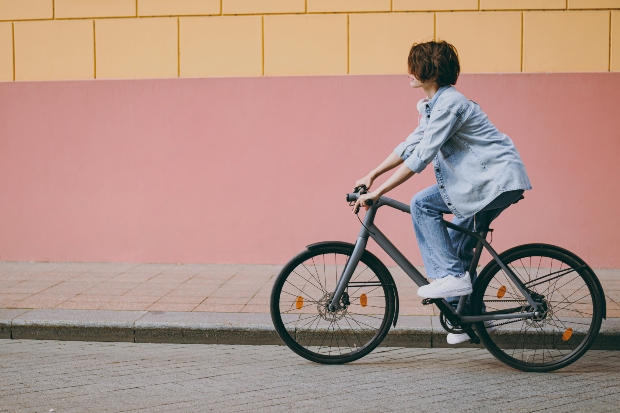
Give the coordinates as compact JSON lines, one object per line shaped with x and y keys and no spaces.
{"x":432,"y":102}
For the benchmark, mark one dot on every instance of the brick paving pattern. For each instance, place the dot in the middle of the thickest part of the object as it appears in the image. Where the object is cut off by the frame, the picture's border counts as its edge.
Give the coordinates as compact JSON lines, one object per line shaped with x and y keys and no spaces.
{"x":187,"y":287}
{"x":38,"y":376}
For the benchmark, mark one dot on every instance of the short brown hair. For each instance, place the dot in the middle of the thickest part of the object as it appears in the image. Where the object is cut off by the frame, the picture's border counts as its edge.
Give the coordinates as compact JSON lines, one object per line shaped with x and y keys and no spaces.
{"x":436,"y":61}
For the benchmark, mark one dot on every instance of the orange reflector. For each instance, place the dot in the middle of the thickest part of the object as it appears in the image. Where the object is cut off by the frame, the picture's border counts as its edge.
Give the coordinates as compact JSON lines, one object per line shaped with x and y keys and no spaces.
{"x":501,"y":292}
{"x":567,"y":334}
{"x":299,"y":302}
{"x":363,"y":300}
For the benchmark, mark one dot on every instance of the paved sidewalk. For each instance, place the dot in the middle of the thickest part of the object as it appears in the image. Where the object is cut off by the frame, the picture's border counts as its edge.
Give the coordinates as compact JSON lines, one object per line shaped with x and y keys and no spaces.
{"x":38,"y":376}
{"x":187,"y":287}
{"x":158,"y":287}
{"x":225,"y":304}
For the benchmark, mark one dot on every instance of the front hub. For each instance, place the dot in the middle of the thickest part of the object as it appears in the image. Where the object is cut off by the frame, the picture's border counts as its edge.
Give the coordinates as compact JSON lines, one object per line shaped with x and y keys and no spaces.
{"x":332,"y":315}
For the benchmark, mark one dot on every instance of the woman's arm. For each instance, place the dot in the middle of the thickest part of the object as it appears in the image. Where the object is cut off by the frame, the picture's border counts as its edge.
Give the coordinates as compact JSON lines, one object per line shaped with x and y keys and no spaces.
{"x":401,"y":175}
{"x":391,"y":162}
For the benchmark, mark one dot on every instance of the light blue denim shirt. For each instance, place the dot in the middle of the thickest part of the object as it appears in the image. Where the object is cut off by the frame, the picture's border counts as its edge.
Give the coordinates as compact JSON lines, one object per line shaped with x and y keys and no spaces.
{"x":473,"y":161}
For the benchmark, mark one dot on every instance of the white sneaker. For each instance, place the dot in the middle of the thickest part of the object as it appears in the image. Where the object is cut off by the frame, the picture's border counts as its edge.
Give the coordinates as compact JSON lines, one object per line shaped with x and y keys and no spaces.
{"x":448,"y":286}
{"x":460,"y":338}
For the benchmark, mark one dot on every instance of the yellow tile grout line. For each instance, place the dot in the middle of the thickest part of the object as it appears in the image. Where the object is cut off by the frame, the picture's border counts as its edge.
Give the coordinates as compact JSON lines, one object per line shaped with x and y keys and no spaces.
{"x":95,"y":49}
{"x":348,"y":46}
{"x":610,"y":40}
{"x":13,"y":40}
{"x":313,"y":13}
{"x":522,"y":38}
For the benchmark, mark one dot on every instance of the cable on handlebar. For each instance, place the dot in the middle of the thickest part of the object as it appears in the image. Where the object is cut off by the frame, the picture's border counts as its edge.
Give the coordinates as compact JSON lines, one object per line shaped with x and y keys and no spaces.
{"x":362,"y":189}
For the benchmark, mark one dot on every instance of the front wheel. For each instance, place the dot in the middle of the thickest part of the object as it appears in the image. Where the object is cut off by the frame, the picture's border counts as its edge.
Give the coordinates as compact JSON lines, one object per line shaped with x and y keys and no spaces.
{"x":571,"y":311}
{"x":301,"y":295}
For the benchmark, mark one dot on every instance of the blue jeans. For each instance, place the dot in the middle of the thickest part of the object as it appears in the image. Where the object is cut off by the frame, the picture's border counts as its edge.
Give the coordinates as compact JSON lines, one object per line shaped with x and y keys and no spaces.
{"x":445,"y":251}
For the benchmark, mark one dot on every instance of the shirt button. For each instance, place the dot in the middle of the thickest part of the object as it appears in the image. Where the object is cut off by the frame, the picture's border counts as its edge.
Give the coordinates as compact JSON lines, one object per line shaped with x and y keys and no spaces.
{"x":449,"y":204}
{"x":428,"y":116}
{"x":441,"y":187}
{"x":437,"y":169}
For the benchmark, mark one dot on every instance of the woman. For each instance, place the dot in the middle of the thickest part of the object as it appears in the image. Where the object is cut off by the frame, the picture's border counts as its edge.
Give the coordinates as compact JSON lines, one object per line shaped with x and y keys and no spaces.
{"x":478,"y":169}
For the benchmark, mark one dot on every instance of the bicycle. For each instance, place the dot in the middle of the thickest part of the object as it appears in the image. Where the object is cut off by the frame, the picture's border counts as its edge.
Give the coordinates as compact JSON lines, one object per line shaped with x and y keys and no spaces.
{"x":535,"y":307}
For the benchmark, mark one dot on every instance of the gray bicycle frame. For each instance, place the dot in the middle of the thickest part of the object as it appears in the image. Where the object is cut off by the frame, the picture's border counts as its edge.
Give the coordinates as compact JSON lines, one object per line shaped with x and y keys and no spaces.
{"x":369,"y":229}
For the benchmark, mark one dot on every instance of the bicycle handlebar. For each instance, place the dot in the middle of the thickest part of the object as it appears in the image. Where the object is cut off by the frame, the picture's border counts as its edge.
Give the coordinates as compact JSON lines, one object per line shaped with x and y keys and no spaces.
{"x":357,"y":191}
{"x":354,"y":197}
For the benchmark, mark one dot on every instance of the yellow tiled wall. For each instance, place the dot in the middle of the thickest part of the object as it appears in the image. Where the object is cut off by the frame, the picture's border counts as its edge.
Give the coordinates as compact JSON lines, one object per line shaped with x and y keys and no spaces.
{"x":54,"y":49}
{"x":6,"y":51}
{"x":86,"y":39}
{"x":380,"y":43}
{"x":306,"y":44}
{"x":137,"y":48}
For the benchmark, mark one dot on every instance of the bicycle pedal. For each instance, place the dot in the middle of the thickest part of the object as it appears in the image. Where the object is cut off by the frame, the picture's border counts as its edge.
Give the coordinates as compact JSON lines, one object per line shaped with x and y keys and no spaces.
{"x":429,"y":301}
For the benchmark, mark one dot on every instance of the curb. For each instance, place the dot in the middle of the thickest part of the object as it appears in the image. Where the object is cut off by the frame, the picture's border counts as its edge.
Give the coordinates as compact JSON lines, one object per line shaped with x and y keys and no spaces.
{"x":212,"y":328}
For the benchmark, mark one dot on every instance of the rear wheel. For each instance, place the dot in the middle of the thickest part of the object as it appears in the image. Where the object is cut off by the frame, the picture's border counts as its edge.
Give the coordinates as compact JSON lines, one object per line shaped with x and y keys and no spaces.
{"x":571,"y":310}
{"x":301,"y":295}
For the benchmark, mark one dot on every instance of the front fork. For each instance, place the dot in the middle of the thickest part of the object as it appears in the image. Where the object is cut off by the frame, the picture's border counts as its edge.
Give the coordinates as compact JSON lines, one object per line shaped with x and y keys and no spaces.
{"x":349,"y":269}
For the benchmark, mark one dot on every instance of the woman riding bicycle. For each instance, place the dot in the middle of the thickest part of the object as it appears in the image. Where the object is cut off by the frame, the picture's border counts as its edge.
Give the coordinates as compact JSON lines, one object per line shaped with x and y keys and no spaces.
{"x":478,"y":170}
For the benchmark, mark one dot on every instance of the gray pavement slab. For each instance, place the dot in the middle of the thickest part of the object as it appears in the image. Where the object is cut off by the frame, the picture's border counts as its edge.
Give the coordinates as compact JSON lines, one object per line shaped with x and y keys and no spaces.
{"x":84,"y":325}
{"x":205,"y":328}
{"x":214,"y":328}
{"x":38,"y":376}
{"x":6,"y":320}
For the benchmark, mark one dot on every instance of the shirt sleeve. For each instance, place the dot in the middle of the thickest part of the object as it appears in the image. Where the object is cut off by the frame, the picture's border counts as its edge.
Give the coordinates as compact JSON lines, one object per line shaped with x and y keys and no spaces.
{"x":405,"y":149}
{"x":440,"y":127}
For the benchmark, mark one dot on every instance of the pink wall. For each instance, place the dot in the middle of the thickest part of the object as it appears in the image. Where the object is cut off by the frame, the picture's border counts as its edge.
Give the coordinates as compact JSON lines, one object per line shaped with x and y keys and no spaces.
{"x":250,"y":170}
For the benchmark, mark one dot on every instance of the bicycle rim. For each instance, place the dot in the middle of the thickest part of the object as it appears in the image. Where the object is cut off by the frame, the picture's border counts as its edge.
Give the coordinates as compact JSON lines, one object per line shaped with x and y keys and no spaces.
{"x":299,"y":302}
{"x":571,"y":313}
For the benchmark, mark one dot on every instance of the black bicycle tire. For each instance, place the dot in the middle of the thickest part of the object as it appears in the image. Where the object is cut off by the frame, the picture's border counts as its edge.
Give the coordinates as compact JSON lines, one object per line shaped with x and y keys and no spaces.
{"x":537,"y":250}
{"x":369,"y":260}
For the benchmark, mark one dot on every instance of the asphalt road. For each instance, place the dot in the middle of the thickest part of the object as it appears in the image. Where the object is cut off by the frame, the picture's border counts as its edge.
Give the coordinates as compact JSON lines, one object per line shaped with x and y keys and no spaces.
{"x":38,"y":376}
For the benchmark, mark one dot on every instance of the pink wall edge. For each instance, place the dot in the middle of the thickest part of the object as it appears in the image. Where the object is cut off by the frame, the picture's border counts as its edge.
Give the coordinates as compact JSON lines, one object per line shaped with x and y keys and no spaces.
{"x":250,"y":170}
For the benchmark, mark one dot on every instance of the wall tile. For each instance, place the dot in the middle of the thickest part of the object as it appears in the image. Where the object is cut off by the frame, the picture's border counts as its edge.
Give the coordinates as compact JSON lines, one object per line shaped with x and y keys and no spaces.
{"x":380,"y":43}
{"x":26,"y":9}
{"x":594,"y":4}
{"x":178,"y":7}
{"x":263,"y":6}
{"x":573,"y":41}
{"x":54,"y":50}
{"x":305,"y":45}
{"x":320,"y":6}
{"x":6,"y":52}
{"x":94,"y":8}
{"x":221,"y":46}
{"x":615,"y":41}
{"x":137,"y":48}
{"x":486,"y":41}
{"x":434,"y":5}
{"x":522,"y":4}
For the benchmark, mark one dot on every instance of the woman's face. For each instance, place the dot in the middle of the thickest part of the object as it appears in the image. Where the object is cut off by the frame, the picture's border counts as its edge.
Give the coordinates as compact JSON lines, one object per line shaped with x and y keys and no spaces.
{"x":413,"y":82}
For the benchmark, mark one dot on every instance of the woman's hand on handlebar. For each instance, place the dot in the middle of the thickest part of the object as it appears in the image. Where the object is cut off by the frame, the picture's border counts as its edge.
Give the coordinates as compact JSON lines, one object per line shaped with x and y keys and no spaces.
{"x":366,"y":181}
{"x":361,"y":201}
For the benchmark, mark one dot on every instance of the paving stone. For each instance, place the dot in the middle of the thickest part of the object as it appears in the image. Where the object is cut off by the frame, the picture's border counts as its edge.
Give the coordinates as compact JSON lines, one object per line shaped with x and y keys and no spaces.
{"x":138,"y":377}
